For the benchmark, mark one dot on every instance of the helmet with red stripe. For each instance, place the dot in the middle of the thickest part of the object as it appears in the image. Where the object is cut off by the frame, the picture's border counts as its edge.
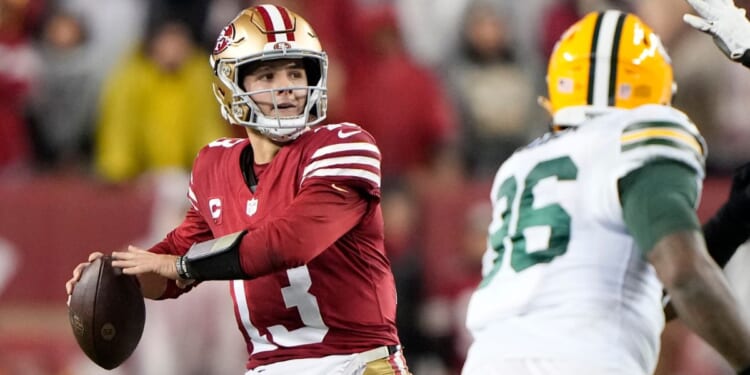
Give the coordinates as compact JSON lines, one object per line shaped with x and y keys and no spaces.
{"x":263,"y":33}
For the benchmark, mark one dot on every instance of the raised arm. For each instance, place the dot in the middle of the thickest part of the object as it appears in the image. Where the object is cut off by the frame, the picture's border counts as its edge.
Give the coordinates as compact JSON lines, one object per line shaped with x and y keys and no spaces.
{"x":726,"y":23}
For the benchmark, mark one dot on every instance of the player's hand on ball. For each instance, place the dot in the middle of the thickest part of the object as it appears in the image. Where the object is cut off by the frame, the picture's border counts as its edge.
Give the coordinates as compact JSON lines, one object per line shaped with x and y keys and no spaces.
{"x":70,"y":284}
{"x":137,"y":261}
{"x":106,"y":311}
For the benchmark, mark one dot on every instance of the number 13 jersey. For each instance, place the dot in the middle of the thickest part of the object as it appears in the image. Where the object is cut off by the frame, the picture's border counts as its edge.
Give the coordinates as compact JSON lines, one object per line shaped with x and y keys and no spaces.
{"x":342,"y":300}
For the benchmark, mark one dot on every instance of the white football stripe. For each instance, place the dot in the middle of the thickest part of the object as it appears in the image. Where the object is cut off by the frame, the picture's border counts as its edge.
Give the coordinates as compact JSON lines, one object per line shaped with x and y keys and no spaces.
{"x":358,"y":146}
{"x":373,"y":162}
{"x":604,"y":50}
{"x":277,"y":21}
{"x":191,"y":196}
{"x":346,"y":172}
{"x":259,"y":342}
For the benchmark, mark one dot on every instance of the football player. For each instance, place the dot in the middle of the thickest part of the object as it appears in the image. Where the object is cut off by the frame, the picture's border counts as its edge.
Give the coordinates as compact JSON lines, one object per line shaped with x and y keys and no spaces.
{"x":291,"y":214}
{"x":726,"y":23}
{"x":730,"y":226}
{"x":594,"y":219}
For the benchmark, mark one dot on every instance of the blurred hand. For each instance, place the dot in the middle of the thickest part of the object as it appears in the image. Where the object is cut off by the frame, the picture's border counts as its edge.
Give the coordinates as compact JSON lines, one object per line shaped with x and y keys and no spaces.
{"x":726,"y":23}
{"x":136,"y":261}
{"x":70,"y":284}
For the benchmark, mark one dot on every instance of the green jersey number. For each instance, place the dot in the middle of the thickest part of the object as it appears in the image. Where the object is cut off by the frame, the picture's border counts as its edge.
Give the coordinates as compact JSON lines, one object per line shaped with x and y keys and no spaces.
{"x":512,"y":240}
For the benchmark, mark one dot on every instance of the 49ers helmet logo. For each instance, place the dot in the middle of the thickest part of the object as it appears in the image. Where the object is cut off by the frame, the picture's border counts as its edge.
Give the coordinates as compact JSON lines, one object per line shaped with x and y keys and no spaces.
{"x":226,"y":37}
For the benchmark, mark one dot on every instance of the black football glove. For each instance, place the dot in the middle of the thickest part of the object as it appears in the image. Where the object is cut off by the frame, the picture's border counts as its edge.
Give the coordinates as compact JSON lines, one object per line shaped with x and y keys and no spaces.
{"x":726,"y":23}
{"x":730,"y":227}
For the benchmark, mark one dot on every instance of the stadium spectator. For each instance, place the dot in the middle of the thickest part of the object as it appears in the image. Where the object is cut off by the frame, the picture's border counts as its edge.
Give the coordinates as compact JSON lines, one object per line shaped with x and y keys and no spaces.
{"x":491,"y":89}
{"x":19,"y":70}
{"x":113,"y":29}
{"x":405,"y":106}
{"x":64,"y":104}
{"x":155,"y":111}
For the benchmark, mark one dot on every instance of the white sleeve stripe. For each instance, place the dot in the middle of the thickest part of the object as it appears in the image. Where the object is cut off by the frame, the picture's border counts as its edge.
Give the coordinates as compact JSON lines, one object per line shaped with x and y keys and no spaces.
{"x":191,"y":195}
{"x":358,"y":146}
{"x":373,"y":162}
{"x":346,"y":172}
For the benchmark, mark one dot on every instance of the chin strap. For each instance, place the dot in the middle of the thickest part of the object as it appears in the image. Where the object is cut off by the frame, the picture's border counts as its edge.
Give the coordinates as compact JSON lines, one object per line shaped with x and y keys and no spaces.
{"x":217,"y":259}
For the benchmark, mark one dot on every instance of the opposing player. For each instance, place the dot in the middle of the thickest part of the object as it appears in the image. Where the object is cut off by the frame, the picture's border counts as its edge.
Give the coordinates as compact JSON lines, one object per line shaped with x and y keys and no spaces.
{"x":726,"y":23}
{"x":291,"y":214}
{"x":730,"y":226}
{"x":592,"y":221}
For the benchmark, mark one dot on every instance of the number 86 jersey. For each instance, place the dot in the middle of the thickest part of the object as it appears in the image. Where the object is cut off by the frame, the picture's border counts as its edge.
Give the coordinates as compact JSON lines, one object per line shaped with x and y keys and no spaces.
{"x":563,"y":278}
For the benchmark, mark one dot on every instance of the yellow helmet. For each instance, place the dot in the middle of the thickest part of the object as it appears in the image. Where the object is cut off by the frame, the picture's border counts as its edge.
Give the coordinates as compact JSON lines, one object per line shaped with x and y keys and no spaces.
{"x":262,"y":33}
{"x":607,"y":60}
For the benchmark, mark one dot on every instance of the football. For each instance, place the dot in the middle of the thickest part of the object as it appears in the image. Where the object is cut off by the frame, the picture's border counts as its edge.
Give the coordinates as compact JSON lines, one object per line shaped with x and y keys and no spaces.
{"x":107,"y":313}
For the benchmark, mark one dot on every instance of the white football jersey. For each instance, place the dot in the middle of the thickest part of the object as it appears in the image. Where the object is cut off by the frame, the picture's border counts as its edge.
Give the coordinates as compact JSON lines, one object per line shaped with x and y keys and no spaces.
{"x":563,"y":278}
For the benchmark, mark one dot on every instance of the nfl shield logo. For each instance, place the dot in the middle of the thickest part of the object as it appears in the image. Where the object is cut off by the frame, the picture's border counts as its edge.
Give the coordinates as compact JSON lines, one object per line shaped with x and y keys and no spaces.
{"x":252,"y":207}
{"x":565,"y":85}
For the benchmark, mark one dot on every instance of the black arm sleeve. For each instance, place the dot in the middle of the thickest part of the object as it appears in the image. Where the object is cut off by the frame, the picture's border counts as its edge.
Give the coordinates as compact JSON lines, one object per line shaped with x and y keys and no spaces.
{"x":217,"y":259}
{"x":730,"y":226}
{"x":724,"y":235}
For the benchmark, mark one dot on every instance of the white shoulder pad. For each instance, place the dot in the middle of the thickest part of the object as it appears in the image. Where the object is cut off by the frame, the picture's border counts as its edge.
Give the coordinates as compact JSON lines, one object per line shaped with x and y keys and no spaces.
{"x":654,"y":132}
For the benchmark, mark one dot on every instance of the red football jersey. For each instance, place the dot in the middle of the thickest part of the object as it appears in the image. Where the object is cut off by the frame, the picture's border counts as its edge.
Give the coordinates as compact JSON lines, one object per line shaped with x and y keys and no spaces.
{"x":343,"y":300}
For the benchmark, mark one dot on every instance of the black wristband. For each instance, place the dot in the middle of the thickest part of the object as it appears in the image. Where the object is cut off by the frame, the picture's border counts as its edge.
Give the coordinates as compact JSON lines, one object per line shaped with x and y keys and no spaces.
{"x":182,"y":268}
{"x":217,"y":259}
{"x":745,"y":371}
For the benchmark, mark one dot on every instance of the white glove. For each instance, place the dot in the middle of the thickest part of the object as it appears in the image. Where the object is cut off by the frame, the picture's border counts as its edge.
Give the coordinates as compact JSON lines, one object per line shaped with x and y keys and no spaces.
{"x":726,"y":23}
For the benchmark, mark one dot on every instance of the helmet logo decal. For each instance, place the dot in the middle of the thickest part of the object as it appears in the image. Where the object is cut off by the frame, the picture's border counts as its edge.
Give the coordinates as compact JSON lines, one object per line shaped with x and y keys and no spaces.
{"x":565,"y":85}
{"x":279,"y":26}
{"x":282,"y":46}
{"x":226,"y":38}
{"x":624,"y":91}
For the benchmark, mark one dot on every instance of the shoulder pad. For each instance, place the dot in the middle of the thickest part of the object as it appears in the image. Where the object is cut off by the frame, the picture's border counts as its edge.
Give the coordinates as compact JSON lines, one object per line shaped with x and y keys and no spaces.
{"x":660,"y":132}
{"x":342,"y":152}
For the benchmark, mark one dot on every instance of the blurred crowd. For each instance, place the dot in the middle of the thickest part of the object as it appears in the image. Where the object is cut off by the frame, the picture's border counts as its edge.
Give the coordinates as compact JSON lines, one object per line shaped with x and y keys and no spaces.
{"x":118,"y":92}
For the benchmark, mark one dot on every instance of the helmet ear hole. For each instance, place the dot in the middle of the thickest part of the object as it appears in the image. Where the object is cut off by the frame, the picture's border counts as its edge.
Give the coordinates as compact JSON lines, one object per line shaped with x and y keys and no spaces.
{"x":312,"y":69}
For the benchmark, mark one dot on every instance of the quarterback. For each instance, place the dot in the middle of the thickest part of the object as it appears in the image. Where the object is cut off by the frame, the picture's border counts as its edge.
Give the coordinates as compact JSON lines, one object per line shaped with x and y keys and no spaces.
{"x":291,"y":214}
{"x":592,"y":221}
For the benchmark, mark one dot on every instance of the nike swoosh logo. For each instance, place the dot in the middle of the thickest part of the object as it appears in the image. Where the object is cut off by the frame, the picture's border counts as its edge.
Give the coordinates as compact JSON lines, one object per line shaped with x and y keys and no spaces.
{"x":343,"y":134}
{"x":339,"y":188}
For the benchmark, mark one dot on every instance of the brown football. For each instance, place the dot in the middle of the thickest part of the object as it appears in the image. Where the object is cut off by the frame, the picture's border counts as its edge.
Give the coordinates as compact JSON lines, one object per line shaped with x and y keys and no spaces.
{"x":107,"y":313}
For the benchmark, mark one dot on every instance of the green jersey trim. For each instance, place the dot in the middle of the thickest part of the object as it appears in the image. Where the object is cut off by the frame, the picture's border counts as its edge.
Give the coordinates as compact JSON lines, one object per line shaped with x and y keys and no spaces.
{"x":665,"y":134}
{"x":659,"y":199}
